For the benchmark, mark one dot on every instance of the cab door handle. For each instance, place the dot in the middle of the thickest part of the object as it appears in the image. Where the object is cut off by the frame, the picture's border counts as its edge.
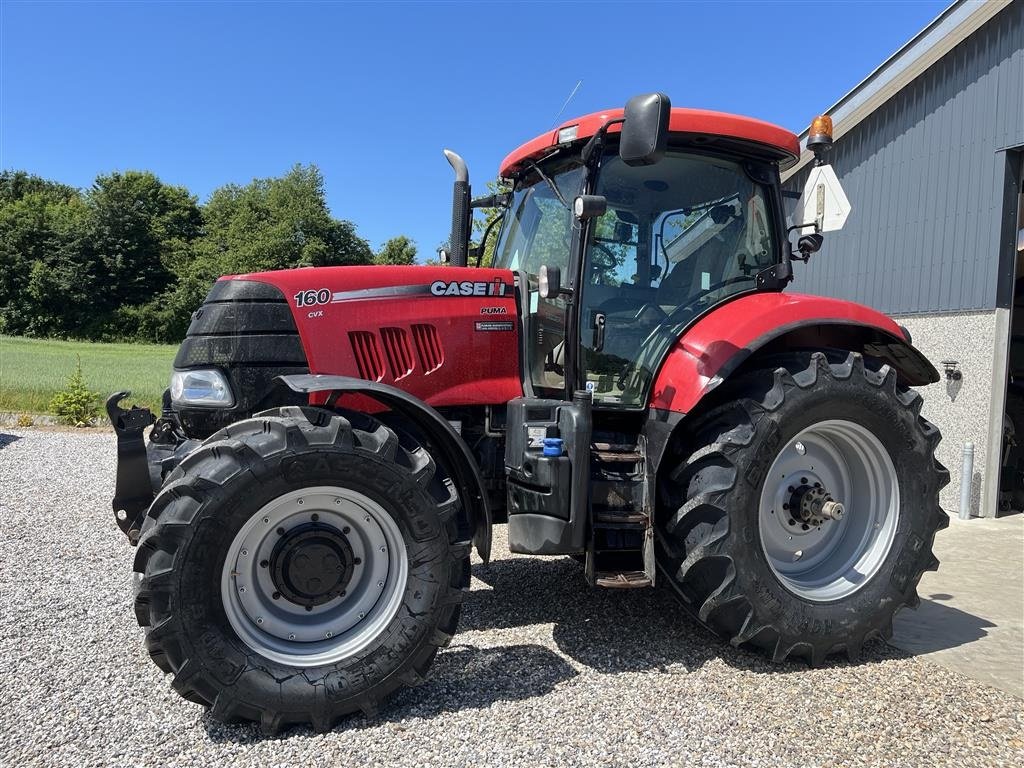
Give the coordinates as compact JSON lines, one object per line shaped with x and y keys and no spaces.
{"x":598,"y":331}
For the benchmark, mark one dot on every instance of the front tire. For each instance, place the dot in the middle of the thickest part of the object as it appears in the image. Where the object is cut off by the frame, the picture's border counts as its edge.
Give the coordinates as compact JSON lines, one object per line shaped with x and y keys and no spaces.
{"x":297,"y":568}
{"x":802,"y":514}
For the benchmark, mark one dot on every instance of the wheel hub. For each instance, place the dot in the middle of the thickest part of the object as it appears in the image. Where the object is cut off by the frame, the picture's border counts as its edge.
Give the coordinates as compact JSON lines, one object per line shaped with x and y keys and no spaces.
{"x":312,"y":564}
{"x":813,"y":505}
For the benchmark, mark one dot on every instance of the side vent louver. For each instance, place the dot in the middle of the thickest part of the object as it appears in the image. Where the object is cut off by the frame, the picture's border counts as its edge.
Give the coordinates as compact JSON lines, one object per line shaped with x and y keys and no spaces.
{"x":396,"y":347}
{"x":367,"y":355}
{"x":428,"y":347}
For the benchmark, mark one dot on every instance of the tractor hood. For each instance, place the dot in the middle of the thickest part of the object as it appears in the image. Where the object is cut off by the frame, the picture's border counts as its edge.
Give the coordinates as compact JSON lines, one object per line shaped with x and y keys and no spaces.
{"x":447,"y":335}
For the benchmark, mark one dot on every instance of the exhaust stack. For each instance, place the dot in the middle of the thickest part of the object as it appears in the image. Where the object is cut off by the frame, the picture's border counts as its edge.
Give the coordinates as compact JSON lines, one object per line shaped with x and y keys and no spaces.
{"x":461,"y":212}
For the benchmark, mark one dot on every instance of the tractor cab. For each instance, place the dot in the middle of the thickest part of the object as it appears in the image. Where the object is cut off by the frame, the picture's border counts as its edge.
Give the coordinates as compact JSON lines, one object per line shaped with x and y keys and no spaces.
{"x":623,"y":229}
{"x":670,"y":241}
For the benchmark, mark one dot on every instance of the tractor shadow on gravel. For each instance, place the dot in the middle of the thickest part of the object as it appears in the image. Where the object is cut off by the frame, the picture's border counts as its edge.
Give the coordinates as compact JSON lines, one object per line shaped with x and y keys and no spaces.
{"x":610,"y":630}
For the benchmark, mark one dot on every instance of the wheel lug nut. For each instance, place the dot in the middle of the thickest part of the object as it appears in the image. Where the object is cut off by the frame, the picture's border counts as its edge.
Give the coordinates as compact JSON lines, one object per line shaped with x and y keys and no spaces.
{"x":314,"y":517}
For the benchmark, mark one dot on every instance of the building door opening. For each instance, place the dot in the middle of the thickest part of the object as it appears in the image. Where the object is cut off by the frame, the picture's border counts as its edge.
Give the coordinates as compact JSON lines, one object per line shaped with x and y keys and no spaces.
{"x":1011,"y":482}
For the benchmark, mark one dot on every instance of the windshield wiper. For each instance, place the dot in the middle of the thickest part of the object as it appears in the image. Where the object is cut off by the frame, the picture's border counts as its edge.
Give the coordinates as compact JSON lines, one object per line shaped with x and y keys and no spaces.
{"x":550,"y":183}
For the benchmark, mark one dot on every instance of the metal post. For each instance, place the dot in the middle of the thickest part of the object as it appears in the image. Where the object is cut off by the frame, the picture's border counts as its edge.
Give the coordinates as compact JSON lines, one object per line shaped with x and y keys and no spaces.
{"x":966,"y":480}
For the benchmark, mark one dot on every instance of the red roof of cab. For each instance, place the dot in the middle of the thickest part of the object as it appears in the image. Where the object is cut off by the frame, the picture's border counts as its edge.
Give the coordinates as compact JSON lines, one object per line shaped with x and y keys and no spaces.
{"x":680,"y":121}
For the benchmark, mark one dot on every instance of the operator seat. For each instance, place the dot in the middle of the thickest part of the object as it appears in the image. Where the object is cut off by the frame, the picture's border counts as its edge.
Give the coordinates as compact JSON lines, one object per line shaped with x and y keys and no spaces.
{"x":683,"y":283}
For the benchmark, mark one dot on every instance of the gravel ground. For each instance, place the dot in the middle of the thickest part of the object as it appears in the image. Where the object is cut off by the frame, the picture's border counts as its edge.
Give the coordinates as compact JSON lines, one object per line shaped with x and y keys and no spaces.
{"x":543,"y":670}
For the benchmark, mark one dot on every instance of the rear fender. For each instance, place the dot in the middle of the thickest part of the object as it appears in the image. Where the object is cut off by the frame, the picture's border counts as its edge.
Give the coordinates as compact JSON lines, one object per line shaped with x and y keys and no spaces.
{"x":449,"y":449}
{"x":764,"y":323}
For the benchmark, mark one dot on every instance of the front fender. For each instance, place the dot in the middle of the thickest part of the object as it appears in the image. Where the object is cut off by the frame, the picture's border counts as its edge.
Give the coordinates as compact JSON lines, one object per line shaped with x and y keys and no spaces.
{"x":717,"y":344}
{"x":455,"y":454}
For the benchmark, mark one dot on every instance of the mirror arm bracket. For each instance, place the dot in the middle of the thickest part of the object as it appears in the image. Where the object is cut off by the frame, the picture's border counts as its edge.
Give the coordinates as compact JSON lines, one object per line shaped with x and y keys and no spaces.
{"x":597,"y":140}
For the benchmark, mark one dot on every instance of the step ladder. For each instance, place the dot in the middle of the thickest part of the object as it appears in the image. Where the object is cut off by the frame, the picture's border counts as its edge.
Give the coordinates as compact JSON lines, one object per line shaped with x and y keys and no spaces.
{"x":620,"y":552}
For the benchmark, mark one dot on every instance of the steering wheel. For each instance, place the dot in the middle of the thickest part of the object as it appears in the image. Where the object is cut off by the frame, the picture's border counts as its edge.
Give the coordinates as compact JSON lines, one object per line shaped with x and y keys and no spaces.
{"x":683,"y":308}
{"x":602,"y":267}
{"x":609,"y":307}
{"x":676,"y":313}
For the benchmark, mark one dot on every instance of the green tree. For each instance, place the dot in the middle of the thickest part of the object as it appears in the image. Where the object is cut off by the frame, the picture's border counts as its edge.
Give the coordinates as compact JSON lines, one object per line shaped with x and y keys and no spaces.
{"x":397,"y":250}
{"x":16,"y":185}
{"x":48,"y":269}
{"x":132,"y":257}
{"x":274,"y":223}
{"x":76,"y":404}
{"x":143,"y":231}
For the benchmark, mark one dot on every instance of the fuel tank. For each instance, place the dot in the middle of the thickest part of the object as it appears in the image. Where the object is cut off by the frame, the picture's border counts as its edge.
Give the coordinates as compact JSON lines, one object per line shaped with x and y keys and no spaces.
{"x":447,"y":335}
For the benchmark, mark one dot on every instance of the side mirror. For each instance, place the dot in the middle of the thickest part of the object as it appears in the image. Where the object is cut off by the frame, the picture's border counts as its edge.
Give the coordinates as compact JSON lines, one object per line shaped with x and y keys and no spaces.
{"x":809,"y":244}
{"x":549,"y":281}
{"x":645,"y":130}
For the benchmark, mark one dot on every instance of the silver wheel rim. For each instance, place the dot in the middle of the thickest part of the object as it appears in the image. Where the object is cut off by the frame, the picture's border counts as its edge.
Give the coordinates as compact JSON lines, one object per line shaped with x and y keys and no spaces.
{"x":288,"y":632}
{"x":829,"y":559}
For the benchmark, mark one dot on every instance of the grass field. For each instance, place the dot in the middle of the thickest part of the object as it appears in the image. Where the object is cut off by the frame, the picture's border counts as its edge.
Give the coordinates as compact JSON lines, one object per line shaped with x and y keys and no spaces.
{"x":32,"y":370}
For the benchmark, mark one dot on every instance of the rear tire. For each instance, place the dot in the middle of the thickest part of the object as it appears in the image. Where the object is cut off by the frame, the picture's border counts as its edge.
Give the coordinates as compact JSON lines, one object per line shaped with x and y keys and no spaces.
{"x":391,"y":533}
{"x":762,"y":576}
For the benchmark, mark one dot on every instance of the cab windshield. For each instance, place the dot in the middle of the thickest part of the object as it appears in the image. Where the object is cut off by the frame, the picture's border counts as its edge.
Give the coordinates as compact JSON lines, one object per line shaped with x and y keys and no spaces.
{"x":678,"y":237}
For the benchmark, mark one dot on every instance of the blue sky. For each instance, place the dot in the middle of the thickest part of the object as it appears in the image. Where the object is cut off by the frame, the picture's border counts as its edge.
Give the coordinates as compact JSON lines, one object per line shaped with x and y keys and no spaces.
{"x":208,"y":93}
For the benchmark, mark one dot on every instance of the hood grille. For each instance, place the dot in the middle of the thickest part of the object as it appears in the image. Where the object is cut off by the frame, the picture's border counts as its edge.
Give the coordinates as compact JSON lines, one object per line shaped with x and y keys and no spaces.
{"x":367,"y":355}
{"x":428,"y":347}
{"x":396,"y":347}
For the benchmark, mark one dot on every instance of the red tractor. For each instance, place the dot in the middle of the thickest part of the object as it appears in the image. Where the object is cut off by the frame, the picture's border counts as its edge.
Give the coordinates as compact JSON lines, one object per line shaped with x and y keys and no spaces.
{"x":629,"y":385}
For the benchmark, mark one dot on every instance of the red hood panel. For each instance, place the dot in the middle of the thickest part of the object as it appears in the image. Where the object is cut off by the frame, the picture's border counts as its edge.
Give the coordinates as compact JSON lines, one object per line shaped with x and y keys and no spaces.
{"x":448,"y":335}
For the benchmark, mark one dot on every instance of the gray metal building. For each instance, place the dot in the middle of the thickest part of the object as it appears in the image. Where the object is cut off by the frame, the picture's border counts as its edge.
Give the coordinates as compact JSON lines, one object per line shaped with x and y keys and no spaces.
{"x":930,"y":150}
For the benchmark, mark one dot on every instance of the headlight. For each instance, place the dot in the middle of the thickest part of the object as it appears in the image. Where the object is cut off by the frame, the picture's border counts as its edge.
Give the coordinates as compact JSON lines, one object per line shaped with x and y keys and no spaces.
{"x":201,"y":387}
